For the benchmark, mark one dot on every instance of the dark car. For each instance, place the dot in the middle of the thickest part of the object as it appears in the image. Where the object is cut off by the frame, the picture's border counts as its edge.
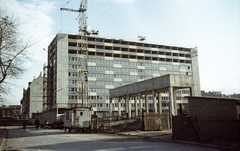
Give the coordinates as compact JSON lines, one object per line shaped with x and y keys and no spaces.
{"x":57,"y":125}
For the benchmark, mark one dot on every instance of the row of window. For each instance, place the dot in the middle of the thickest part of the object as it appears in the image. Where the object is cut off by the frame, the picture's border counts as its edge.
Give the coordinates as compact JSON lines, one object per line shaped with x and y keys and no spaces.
{"x":99,"y":68}
{"x":123,"y":76}
{"x":114,"y":84}
{"x":124,"y":105}
{"x":74,"y":90}
{"x":123,"y":42}
{"x":147,"y":50}
{"x":127,"y":63}
{"x":76,"y":97}
{"x":140,"y":57}
{"x":154,"y":57}
{"x":140,"y":49}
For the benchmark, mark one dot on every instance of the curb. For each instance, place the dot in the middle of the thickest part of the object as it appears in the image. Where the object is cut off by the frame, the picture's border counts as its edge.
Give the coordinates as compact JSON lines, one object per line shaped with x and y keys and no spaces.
{"x":154,"y":138}
{"x":158,"y":138}
{"x":208,"y":145}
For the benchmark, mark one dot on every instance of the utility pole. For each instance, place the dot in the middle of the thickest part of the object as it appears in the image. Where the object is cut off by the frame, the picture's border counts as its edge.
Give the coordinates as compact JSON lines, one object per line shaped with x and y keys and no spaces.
{"x":82,"y":53}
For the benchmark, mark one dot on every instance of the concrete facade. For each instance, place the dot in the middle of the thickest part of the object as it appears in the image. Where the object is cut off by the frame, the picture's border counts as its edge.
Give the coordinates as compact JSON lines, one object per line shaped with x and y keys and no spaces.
{"x":153,"y":87}
{"x":36,"y":96}
{"x":25,"y":102}
{"x":32,"y":100}
{"x":113,"y":63}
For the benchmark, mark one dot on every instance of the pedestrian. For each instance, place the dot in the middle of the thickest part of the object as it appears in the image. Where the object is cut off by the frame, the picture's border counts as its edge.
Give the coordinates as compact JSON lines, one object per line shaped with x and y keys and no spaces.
{"x":37,"y":123}
{"x":24,"y":124}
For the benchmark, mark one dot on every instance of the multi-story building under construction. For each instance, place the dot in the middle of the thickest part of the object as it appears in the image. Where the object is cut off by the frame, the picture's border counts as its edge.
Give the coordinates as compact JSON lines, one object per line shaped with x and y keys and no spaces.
{"x":112,"y":63}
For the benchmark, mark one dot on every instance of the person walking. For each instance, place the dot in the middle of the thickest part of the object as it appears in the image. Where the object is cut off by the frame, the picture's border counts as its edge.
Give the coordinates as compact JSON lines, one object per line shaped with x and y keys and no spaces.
{"x":24,"y":124}
{"x":37,"y":123}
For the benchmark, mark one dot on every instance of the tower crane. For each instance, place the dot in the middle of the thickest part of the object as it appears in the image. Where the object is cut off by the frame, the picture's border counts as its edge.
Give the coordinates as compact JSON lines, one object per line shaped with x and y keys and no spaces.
{"x":82,"y":53}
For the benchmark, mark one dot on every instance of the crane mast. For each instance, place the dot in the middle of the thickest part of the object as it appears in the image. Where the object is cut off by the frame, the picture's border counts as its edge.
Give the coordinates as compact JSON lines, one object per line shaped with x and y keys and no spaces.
{"x":82,"y":54}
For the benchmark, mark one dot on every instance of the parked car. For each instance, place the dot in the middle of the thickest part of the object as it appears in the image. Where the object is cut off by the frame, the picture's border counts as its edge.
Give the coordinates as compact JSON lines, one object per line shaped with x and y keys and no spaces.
{"x":57,"y":125}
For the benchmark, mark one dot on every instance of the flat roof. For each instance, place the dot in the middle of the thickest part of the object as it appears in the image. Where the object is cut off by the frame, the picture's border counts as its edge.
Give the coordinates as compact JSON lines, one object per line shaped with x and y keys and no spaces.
{"x":210,"y":97}
{"x":158,"y":84}
{"x":215,"y":98}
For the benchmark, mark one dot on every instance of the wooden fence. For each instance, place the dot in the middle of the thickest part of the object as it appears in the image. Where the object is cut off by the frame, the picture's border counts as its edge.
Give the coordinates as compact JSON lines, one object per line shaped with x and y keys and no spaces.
{"x":156,"y":121}
{"x":148,"y":122}
{"x":12,"y":122}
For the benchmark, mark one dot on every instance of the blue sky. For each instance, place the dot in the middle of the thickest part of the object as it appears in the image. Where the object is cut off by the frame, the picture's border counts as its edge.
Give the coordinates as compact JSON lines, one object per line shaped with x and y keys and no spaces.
{"x":211,"y":25}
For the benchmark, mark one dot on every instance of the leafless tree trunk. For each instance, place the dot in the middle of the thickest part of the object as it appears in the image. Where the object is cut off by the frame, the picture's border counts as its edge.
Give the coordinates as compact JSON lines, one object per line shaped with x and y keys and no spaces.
{"x":13,"y":51}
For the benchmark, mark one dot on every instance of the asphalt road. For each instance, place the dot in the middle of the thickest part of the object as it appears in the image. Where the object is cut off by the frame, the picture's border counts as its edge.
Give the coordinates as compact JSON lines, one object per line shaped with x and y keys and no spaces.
{"x":57,"y":140}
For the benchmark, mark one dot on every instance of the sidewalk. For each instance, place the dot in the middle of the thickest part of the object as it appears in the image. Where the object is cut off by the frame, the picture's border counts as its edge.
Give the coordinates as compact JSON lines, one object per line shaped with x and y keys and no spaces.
{"x":165,"y":135}
{"x":3,"y":134}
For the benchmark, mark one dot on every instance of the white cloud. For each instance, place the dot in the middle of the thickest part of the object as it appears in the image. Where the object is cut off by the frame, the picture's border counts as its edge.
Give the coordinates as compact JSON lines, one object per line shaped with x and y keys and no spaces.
{"x":121,"y":1}
{"x":36,"y":26}
{"x":35,"y":23}
{"x":124,"y":1}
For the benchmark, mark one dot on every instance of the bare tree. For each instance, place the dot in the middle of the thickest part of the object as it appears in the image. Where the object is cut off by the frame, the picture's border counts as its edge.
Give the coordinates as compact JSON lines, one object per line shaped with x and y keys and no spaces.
{"x":13,"y":51}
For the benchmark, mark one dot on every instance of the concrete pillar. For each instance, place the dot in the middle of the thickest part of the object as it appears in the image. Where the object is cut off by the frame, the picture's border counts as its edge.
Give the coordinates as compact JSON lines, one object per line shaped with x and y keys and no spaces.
{"x":175,"y":102}
{"x":126,"y":105}
{"x":160,"y":102}
{"x":110,"y":107}
{"x":136,"y":106}
{"x":119,"y":106}
{"x":146,"y":104}
{"x":172,"y":109}
{"x":140,"y":103}
{"x":191,"y":91}
{"x":129,"y":107}
{"x":154,"y":101}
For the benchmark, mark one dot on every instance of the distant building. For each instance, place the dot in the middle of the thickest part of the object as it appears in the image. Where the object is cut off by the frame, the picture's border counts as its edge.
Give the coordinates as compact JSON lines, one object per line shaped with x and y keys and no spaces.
{"x":234,"y":96}
{"x":25,"y":102}
{"x":32,"y":101}
{"x":213,"y":94}
{"x":11,"y":111}
{"x":219,"y":94}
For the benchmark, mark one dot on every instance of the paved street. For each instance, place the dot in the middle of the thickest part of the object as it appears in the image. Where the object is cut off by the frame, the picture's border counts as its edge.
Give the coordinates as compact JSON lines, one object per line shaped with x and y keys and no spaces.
{"x":54,"y":139}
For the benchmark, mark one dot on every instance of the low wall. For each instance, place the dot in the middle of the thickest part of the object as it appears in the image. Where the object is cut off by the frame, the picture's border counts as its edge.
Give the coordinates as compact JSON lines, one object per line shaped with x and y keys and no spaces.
{"x":12,"y":122}
{"x":207,"y":130}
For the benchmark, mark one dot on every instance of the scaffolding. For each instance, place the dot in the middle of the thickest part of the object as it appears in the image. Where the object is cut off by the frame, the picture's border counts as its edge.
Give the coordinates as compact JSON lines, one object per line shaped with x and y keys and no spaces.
{"x":47,"y":88}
